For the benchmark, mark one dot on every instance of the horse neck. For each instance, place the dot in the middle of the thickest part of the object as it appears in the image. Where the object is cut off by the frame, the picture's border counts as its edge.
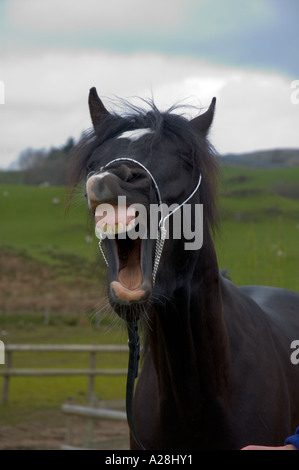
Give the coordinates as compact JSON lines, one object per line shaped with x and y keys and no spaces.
{"x":188,"y":338}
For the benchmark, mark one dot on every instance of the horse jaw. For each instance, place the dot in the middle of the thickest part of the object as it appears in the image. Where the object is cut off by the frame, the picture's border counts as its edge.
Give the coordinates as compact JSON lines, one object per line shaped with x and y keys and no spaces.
{"x":128,"y":257}
{"x":130,"y":283}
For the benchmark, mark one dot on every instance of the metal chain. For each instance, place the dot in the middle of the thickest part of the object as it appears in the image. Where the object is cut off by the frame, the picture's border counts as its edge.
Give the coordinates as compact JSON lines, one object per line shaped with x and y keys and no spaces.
{"x":158,"y":252}
{"x":103,"y":253}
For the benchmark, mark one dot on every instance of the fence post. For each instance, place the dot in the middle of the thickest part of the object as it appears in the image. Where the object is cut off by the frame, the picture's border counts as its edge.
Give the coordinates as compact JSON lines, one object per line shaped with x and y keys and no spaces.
{"x":6,"y":377}
{"x":69,"y":429}
{"x":91,"y":379}
{"x":87,"y":441}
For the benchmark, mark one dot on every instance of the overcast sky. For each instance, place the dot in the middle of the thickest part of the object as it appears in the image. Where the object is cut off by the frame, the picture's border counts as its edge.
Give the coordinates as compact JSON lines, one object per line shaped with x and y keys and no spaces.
{"x":246,"y":53}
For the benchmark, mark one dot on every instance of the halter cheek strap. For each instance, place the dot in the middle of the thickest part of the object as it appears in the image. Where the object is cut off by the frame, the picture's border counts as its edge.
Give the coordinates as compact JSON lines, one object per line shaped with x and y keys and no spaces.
{"x":161,"y":235}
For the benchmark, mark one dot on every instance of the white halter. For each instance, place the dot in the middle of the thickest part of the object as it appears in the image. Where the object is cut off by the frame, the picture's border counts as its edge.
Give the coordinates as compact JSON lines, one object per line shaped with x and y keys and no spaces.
{"x":161,"y":235}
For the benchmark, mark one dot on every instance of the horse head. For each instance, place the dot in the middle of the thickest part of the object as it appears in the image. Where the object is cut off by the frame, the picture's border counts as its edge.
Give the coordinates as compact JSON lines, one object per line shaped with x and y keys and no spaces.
{"x":140,"y":172}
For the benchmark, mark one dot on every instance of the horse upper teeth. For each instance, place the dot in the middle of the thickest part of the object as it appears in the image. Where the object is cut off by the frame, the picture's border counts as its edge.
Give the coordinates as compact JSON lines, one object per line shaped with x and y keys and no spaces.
{"x":98,"y":232}
{"x":108,"y":229}
{"x":120,"y":227}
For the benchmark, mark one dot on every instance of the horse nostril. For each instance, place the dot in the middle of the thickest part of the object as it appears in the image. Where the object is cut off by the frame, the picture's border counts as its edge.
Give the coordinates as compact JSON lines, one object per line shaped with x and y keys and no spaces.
{"x":102,"y":188}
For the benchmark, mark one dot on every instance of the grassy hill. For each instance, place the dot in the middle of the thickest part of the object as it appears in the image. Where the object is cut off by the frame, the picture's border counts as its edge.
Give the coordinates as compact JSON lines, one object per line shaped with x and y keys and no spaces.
{"x":48,"y":262}
{"x":258,"y":240}
{"x":260,"y":228}
{"x":33,"y":220}
{"x":266,"y":158}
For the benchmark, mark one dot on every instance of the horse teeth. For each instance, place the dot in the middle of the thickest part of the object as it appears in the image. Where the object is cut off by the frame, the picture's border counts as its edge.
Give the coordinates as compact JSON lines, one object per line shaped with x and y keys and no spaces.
{"x":110,"y":229}
{"x":120,"y":228}
{"x":98,"y":232}
{"x":117,"y":228}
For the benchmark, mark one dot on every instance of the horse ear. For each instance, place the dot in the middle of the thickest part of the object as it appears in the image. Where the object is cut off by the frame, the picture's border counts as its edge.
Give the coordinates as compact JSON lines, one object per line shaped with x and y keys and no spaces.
{"x":203,"y":122}
{"x":96,"y":108}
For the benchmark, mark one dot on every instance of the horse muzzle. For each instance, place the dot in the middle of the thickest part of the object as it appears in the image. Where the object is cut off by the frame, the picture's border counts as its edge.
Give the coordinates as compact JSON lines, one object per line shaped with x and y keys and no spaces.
{"x":124,"y":241}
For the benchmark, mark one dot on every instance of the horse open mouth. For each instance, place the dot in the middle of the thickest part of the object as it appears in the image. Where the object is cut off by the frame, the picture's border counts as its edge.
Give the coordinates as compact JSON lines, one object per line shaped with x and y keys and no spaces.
{"x":128,"y":254}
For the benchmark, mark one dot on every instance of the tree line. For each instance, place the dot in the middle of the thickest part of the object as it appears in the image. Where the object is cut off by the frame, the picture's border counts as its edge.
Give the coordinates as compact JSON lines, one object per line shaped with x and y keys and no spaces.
{"x":39,"y":166}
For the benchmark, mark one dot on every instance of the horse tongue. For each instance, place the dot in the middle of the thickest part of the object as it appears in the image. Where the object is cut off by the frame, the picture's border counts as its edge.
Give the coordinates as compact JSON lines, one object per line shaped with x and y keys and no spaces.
{"x":111,"y":215}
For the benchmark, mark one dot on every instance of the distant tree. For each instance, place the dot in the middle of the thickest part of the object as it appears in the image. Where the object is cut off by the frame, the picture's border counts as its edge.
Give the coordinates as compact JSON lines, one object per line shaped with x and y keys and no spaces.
{"x":30,"y":158}
{"x":41,"y":165}
{"x":68,"y":147}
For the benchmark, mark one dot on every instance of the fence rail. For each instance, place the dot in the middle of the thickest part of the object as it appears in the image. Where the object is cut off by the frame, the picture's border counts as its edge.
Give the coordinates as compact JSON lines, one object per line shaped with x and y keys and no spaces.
{"x":90,"y":414}
{"x":8,"y":371}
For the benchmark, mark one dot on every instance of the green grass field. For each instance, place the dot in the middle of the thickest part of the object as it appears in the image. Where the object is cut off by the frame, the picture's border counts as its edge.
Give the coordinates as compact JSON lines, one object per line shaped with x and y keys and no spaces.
{"x":34,"y":221}
{"x":257,"y":241}
{"x":257,"y":244}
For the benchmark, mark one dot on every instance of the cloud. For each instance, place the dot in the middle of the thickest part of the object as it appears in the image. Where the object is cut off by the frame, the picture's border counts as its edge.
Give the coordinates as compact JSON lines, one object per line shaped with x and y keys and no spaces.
{"x":88,"y":15}
{"x":256,"y":113}
{"x":46,"y":98}
{"x":206,"y":18}
{"x":255,"y":33}
{"x":216,"y":19}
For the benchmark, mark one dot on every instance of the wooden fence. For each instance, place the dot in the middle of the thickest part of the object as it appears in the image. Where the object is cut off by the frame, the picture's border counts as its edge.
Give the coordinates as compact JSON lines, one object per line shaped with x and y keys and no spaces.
{"x":90,"y":414}
{"x":8,"y":371}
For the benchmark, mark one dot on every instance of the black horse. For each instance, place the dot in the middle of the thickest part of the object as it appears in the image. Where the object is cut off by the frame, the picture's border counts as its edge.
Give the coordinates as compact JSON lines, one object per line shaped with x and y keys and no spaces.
{"x":216,"y":370}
